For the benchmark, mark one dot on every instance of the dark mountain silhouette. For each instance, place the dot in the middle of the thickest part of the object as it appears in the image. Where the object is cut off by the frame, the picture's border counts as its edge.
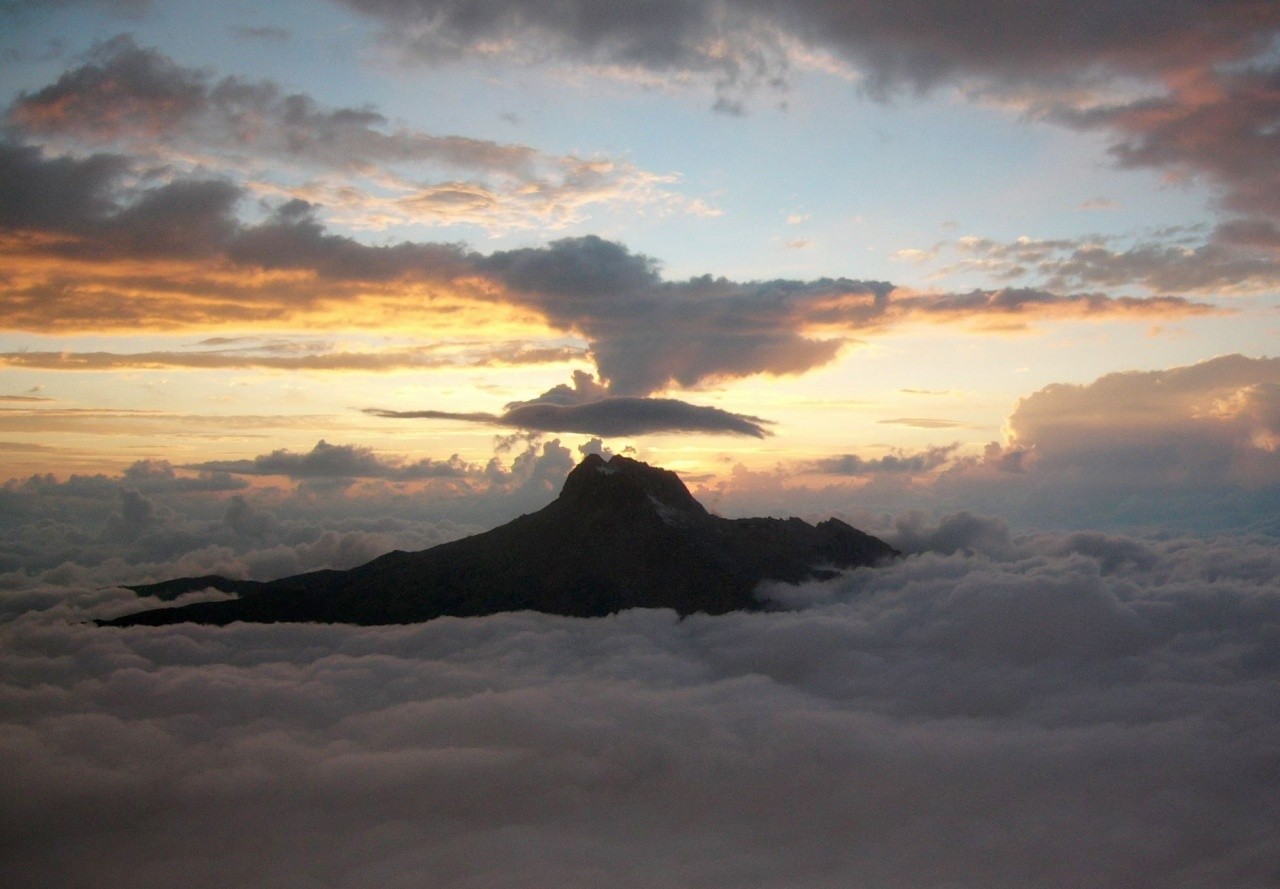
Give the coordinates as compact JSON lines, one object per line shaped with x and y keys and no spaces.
{"x":622,"y":534}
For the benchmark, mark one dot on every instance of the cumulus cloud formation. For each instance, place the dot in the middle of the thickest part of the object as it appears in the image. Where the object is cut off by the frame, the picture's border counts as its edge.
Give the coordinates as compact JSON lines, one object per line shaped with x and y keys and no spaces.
{"x":1208,"y":423}
{"x":647,"y":333}
{"x":588,"y":408}
{"x":1078,"y":712}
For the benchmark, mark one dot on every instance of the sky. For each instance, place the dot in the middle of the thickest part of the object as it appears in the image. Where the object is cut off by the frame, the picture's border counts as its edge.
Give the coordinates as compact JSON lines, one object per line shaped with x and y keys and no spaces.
{"x":725,"y":236}
{"x":286,"y":286}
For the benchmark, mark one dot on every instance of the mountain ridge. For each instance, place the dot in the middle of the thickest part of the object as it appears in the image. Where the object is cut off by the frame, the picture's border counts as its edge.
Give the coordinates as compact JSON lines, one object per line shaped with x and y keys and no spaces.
{"x":621,"y":534}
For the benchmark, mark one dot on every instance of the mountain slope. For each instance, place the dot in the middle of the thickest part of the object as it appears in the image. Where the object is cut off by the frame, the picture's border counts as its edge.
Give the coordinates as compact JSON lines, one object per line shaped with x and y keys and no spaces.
{"x":621,"y":534}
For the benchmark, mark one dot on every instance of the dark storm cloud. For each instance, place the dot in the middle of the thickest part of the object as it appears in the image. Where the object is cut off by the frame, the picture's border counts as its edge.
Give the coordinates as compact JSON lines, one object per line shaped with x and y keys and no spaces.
{"x":1075,"y":712}
{"x":339,"y":461}
{"x":82,"y":197}
{"x":588,"y":408}
{"x":293,"y":238}
{"x":612,"y":416}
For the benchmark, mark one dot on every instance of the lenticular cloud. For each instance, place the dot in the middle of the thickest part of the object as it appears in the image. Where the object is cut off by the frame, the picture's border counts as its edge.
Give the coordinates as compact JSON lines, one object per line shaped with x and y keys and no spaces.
{"x":1080,"y":710}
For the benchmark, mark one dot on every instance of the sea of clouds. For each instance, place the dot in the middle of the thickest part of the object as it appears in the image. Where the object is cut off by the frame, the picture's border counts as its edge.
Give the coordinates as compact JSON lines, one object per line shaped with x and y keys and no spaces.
{"x":994,"y":710}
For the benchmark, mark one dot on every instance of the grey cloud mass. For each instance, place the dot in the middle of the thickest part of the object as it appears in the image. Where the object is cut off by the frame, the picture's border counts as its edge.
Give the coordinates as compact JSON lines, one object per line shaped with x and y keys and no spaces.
{"x":1218,"y":124}
{"x":647,"y":333}
{"x":1076,"y":711}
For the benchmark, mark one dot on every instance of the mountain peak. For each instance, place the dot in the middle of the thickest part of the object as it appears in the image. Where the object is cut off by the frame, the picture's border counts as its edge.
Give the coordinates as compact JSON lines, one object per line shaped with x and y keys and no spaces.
{"x":622,"y":534}
{"x":620,"y":481}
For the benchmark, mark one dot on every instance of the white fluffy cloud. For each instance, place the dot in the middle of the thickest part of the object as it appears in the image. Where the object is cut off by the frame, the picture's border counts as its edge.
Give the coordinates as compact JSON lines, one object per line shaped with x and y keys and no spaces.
{"x":1193,"y":448}
{"x":1085,"y":711}
{"x":1210,"y":422}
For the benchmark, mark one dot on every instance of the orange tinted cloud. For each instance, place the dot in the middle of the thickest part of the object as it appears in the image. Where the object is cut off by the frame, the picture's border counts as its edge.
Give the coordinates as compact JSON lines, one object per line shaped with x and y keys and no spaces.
{"x":78,"y":257}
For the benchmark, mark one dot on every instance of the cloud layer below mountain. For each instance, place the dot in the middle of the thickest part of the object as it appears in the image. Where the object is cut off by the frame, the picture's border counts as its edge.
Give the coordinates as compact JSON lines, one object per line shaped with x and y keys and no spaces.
{"x":1072,"y":710}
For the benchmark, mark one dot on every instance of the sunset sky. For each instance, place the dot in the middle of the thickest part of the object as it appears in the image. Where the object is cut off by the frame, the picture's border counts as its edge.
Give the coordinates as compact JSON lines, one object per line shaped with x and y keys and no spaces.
{"x":285,"y":286}
{"x":792,"y":240}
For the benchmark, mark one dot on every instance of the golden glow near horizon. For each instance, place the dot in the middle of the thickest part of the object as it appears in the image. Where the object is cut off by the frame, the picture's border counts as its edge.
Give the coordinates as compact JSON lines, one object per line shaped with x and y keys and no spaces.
{"x":202,"y":274}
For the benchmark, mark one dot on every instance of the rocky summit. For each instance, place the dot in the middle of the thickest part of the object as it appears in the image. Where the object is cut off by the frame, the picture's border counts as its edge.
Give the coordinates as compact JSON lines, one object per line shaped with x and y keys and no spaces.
{"x":622,"y":534}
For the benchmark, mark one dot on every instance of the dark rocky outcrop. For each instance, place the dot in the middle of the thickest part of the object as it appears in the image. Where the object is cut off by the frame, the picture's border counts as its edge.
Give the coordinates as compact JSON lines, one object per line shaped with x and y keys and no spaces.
{"x":621,"y":534}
